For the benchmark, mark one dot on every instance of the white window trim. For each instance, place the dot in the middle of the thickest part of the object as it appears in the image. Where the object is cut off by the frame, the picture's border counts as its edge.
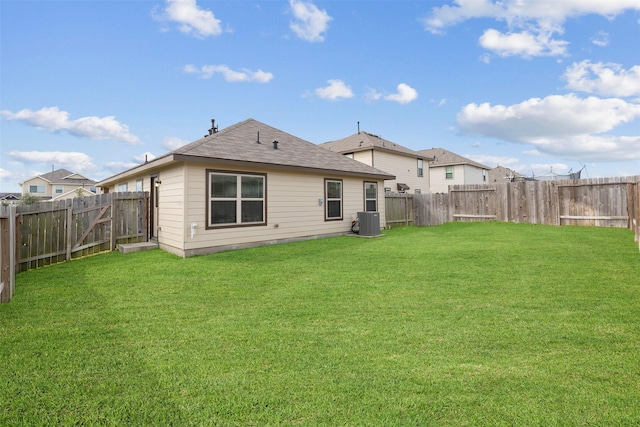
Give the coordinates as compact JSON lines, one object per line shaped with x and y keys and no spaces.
{"x":452,"y":172}
{"x":238,"y":199}
{"x":366,"y":183}
{"x":328,"y":199}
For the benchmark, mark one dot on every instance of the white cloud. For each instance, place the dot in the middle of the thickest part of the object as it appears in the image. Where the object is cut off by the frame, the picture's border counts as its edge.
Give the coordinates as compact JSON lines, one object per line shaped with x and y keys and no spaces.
{"x":493,"y":161}
{"x":173,"y":143}
{"x":404,"y":95}
{"x":601,"y":39}
{"x":191,"y":19}
{"x":603,"y":79}
{"x":531,"y":24}
{"x":523,"y":44}
{"x":54,"y":120}
{"x":311,"y":22}
{"x":73,"y":161}
{"x":373,"y":95}
{"x":244,"y":75}
{"x":5,"y":174}
{"x":336,"y":89}
{"x":566,"y":125}
{"x":117,"y":167}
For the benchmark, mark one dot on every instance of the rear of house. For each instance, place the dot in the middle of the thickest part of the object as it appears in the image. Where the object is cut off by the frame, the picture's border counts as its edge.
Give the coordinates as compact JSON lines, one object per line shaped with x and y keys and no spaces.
{"x":410,"y":168}
{"x":249,"y":185}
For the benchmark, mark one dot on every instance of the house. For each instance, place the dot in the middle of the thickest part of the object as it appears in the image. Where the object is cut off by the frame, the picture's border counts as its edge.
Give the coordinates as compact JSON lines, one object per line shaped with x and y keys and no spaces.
{"x":9,"y":198}
{"x":504,"y":174}
{"x":55,"y":184}
{"x":250,"y":185}
{"x":448,"y":168}
{"x":411,"y":169}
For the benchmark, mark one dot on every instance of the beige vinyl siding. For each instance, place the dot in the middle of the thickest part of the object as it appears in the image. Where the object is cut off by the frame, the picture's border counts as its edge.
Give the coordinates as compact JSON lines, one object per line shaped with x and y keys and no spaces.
{"x":439,"y":184}
{"x":171,"y":198}
{"x":292,"y":209}
{"x":366,"y":157}
{"x":39,"y":182}
{"x":405,"y":169}
{"x":473,"y":175}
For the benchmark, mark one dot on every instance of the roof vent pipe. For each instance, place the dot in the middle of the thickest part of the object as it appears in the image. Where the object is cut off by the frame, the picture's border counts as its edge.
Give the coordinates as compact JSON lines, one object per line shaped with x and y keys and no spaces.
{"x":275,"y":144}
{"x":258,"y":138}
{"x":358,"y":128}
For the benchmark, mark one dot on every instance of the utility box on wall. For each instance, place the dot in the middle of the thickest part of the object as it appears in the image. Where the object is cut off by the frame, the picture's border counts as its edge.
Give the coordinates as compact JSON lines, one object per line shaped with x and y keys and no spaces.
{"x":369,"y":223}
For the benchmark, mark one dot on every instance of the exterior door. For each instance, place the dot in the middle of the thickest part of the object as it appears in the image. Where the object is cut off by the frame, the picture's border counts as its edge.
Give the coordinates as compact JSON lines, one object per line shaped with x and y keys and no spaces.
{"x":155,"y":203}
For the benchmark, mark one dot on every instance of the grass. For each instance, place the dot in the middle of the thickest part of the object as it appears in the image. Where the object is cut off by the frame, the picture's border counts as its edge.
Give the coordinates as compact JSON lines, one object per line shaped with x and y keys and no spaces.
{"x":462,"y":324}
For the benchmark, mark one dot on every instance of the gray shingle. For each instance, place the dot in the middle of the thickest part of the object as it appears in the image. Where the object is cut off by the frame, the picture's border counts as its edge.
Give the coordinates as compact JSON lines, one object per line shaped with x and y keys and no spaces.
{"x":444,"y":157}
{"x":239,"y":144}
{"x":367,"y":141}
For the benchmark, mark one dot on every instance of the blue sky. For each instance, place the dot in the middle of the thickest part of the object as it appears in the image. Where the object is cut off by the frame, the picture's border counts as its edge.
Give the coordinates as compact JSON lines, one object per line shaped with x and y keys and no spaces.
{"x":94,"y":86}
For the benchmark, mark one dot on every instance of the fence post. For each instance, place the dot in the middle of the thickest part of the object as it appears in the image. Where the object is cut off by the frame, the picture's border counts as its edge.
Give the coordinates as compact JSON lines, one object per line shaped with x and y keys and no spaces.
{"x":69,"y":208}
{"x":8,"y":254}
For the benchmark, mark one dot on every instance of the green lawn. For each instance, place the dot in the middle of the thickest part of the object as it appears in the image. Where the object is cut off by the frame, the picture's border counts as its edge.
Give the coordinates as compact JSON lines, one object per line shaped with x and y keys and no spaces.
{"x":462,"y":324}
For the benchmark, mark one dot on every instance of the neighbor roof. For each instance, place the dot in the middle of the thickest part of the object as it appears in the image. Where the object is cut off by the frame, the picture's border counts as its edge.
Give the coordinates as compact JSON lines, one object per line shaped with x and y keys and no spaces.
{"x":502,"y":174}
{"x":367,"y":141}
{"x":442,"y":157}
{"x":63,"y":176}
{"x":250,"y":143}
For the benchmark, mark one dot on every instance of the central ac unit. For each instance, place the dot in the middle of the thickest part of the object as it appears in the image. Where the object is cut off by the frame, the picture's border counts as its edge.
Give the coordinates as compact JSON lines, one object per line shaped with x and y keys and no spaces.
{"x":369,"y":223}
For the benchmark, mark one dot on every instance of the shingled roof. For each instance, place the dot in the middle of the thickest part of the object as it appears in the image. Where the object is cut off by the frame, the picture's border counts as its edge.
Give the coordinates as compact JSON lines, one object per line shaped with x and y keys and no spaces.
{"x":442,"y":157}
{"x":63,"y":176}
{"x":366,"y":141}
{"x":251,"y":143}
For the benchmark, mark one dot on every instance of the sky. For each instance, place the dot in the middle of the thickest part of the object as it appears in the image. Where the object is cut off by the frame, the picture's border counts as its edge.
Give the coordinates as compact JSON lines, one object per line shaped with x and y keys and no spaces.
{"x":96,"y":87}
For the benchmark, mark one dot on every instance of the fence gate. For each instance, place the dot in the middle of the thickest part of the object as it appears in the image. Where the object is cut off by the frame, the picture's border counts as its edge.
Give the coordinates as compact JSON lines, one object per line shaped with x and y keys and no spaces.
{"x":58,"y":231}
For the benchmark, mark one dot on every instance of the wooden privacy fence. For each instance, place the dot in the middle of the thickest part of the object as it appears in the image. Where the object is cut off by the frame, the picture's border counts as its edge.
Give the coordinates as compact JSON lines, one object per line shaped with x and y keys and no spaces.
{"x":602,"y":202}
{"x":50,"y":232}
{"x":399,"y":210}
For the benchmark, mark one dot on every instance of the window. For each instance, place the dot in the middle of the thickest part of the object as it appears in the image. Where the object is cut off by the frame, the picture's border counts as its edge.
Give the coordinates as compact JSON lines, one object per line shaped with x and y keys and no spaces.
{"x":370,"y":196}
{"x":122,"y":188}
{"x":36,"y":189}
{"x":420,"y":169}
{"x":484,"y":175}
{"x":417,"y":191}
{"x":59,"y":189}
{"x":449,"y":172}
{"x":333,"y":196}
{"x":139,"y":184}
{"x":236,"y":199}
{"x":387,"y":190}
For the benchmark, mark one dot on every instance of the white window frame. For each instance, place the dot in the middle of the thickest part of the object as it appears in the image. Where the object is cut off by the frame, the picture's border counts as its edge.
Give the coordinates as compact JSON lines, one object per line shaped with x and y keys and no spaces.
{"x":448,"y":170}
{"x":59,"y":189}
{"x":139,"y":184}
{"x":420,"y":168}
{"x":368,"y":200}
{"x":238,"y":198}
{"x":333,"y":200}
{"x":122,"y":188}
{"x":39,"y":189}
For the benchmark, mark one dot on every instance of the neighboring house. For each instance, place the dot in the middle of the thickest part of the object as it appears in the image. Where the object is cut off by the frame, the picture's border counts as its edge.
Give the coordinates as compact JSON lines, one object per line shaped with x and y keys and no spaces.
{"x":250,"y":185}
{"x":78,"y":192}
{"x":503,"y":174}
{"x":448,"y":168}
{"x":52,"y":185}
{"x":411,"y":169}
{"x":10,"y":198}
